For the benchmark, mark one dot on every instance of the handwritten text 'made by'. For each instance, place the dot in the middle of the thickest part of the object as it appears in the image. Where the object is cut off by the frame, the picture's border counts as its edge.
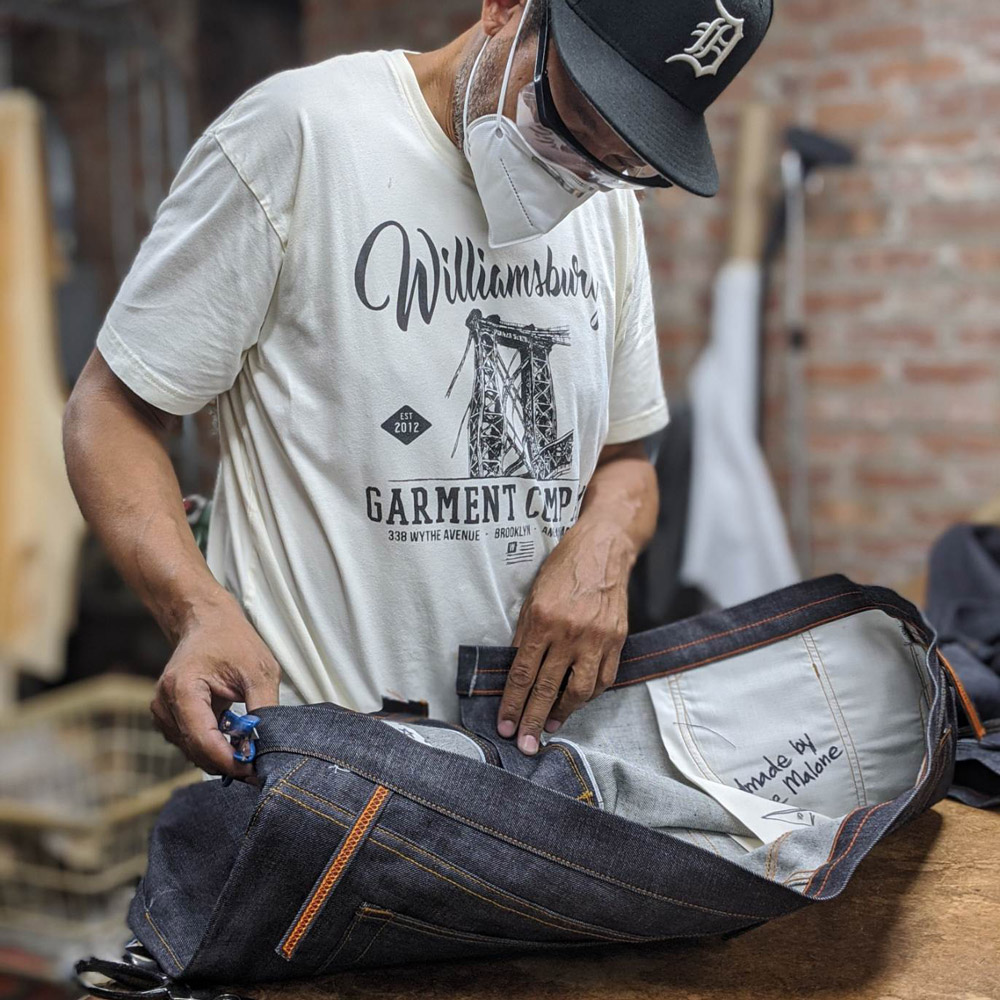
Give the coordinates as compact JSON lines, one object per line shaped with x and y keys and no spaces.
{"x":805,"y":772}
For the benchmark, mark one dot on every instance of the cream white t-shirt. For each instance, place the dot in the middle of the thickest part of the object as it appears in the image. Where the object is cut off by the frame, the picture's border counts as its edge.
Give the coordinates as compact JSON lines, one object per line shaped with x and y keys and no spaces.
{"x":408,"y":419}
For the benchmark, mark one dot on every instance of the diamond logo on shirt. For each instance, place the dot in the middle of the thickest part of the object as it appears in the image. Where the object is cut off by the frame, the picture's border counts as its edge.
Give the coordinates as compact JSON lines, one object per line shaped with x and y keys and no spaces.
{"x":406,"y":425}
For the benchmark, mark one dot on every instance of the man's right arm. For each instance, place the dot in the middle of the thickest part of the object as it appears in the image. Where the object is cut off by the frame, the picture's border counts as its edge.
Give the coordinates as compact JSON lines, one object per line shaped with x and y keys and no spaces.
{"x":125,"y":484}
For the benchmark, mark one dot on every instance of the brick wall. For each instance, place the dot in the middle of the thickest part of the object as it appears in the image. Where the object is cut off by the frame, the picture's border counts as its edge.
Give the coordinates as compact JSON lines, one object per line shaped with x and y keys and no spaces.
{"x":904,"y":255}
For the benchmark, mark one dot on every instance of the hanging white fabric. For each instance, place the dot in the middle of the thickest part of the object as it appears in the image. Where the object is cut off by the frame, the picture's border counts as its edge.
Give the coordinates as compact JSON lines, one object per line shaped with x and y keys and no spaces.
{"x":737,"y":545}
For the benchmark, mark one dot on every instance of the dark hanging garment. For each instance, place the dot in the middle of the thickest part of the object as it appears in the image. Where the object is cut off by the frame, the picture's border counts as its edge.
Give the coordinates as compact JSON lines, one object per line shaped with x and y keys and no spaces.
{"x":656,"y":594}
{"x":963,"y":605}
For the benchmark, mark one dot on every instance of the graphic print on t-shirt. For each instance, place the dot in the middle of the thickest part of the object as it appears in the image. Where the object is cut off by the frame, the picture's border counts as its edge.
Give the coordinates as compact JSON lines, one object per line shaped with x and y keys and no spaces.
{"x":502,"y":470}
{"x":406,"y":425}
{"x":312,"y":270}
{"x":512,"y":420}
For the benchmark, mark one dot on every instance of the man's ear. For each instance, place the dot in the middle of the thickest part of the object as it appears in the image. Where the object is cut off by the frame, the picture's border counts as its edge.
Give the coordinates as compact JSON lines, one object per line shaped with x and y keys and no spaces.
{"x":498,"y":13}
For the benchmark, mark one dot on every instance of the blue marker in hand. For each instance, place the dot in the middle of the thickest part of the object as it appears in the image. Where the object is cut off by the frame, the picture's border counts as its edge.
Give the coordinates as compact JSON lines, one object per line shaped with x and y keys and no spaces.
{"x":242,"y":733}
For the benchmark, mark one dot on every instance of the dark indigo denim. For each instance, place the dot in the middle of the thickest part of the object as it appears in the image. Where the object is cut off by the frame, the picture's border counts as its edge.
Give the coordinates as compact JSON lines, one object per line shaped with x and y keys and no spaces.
{"x":365,"y":848}
{"x":963,"y":605}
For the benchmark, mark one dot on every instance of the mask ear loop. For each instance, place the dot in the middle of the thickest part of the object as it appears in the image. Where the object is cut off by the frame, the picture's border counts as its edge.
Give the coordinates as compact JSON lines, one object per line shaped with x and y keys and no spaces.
{"x":468,"y":88}
{"x":506,"y":75}
{"x":510,"y":62}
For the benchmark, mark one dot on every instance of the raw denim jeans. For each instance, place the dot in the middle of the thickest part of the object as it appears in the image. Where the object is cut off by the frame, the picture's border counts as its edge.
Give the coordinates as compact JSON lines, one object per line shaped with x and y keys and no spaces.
{"x":741,"y":767}
{"x":963,"y":606}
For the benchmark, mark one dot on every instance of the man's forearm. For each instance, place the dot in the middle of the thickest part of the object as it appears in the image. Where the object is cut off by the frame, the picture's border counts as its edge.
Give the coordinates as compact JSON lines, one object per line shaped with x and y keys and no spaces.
{"x":620,"y":508}
{"x":575,"y":620}
{"x":126,"y":487}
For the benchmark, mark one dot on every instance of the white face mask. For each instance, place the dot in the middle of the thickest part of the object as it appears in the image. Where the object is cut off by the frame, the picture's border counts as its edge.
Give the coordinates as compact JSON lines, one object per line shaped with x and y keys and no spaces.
{"x":524,"y":195}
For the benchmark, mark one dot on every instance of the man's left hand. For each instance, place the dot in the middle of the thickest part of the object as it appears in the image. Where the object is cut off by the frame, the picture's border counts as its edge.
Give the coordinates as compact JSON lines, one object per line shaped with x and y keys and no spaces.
{"x":574,"y":622}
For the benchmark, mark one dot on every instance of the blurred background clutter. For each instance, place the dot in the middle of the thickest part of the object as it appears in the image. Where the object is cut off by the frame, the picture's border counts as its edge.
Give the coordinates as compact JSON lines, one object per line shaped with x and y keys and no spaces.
{"x":873,"y":227}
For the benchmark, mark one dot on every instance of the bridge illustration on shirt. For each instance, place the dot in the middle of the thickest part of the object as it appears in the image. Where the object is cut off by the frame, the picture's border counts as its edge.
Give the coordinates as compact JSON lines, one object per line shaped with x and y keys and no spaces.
{"x":511,"y":418}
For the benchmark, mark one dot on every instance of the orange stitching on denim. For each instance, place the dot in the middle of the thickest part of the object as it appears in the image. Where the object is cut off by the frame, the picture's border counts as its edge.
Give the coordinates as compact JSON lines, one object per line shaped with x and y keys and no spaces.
{"x":606,"y":933}
{"x":932,"y":777}
{"x":711,"y":846}
{"x":970,"y":710}
{"x":437,"y":807}
{"x":801,"y":873}
{"x":370,"y":912}
{"x":315,"y":812}
{"x":263,"y":802}
{"x":352,"y":927}
{"x":422,"y":927}
{"x":334,"y":870}
{"x":708,"y":638}
{"x":156,"y":930}
{"x":771,"y":865}
{"x":829,"y":855}
{"x":845,"y":853}
{"x":742,"y":628}
{"x":436,"y":930}
{"x":798,"y":875}
{"x":367,"y":947}
{"x":433,"y":930}
{"x":587,"y":793}
{"x":569,"y":923}
{"x":332,"y":805}
{"x":720,"y":656}
{"x":586,"y":928}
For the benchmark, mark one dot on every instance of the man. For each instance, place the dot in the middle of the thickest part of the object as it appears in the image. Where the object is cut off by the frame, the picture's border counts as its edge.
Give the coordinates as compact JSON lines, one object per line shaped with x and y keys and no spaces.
{"x":416,"y":286}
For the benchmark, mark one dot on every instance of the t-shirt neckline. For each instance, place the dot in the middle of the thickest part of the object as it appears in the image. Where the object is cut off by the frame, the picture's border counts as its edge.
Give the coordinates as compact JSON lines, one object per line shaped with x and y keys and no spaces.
{"x":429,"y":125}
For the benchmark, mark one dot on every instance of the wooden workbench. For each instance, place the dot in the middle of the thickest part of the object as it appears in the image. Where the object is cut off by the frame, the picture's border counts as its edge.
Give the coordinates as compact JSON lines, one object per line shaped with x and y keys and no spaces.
{"x":920,"y":920}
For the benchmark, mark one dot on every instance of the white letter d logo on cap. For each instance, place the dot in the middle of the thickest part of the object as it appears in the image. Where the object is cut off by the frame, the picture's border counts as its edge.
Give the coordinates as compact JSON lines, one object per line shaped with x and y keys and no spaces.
{"x":714,"y":43}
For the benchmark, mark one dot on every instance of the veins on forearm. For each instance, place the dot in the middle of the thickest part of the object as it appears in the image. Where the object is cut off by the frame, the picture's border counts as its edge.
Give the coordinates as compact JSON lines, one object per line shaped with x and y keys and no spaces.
{"x":621,"y":503}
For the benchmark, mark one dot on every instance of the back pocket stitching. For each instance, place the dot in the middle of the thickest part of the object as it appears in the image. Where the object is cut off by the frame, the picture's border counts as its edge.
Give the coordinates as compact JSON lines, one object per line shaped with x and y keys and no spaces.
{"x":355,"y":923}
{"x":375,"y":936}
{"x":384,"y":831}
{"x":558,"y":921}
{"x":369,"y":912}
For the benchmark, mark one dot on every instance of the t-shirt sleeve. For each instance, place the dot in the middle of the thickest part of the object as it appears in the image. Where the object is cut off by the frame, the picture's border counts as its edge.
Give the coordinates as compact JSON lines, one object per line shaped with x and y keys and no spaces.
{"x":198,"y":291}
{"x":638,"y":402}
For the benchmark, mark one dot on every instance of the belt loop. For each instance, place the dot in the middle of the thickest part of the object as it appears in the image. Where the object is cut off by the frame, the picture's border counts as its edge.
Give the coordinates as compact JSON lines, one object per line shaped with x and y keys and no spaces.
{"x":970,"y":709}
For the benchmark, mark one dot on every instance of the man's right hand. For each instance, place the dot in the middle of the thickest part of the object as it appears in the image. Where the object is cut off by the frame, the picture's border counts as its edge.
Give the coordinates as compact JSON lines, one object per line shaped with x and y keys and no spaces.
{"x":220,"y":659}
{"x":121,"y":473}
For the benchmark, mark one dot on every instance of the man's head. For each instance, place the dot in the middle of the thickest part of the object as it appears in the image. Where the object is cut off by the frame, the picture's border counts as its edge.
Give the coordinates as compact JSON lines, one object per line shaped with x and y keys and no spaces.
{"x":500,"y":24}
{"x":631,"y":81}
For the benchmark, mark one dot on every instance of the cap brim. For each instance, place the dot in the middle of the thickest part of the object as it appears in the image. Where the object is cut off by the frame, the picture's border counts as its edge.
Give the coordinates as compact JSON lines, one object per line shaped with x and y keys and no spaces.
{"x":670,"y":137}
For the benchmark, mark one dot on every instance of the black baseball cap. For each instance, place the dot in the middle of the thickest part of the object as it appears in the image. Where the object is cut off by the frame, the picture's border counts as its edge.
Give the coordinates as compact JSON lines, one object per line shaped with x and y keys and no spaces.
{"x":653,"y":67}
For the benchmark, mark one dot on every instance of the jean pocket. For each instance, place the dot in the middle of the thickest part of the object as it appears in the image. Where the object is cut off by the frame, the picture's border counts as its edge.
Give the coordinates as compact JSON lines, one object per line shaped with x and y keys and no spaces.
{"x":379,"y":936}
{"x":448,"y":737}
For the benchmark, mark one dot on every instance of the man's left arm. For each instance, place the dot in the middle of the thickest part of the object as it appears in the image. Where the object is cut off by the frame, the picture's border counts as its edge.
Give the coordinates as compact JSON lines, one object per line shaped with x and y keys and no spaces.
{"x":573,"y":624}
{"x":575,"y":618}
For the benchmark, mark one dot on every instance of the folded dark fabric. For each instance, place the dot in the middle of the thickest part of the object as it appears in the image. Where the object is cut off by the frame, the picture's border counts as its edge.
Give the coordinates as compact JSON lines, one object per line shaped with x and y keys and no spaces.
{"x":963,"y":607}
{"x":741,"y":767}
